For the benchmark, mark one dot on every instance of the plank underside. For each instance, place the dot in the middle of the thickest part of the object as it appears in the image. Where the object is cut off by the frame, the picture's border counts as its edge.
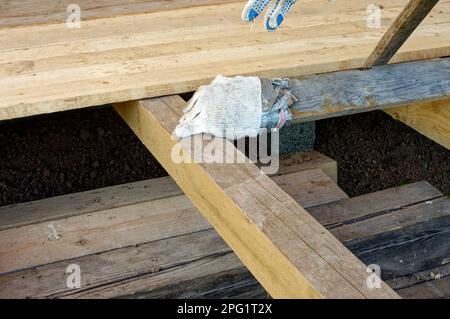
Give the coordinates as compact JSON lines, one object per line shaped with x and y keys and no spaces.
{"x":46,"y":67}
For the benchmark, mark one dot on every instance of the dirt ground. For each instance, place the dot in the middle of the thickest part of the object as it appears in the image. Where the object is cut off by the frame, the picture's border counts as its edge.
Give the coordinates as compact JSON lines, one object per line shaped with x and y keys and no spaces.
{"x":80,"y":150}
{"x":375,"y":152}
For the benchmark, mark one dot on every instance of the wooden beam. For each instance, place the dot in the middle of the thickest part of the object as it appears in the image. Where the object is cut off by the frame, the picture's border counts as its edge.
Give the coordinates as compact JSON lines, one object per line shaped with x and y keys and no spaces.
{"x":405,"y":24}
{"x":430,"y":119}
{"x":46,"y":68}
{"x":287,"y":250}
{"x":347,"y":92}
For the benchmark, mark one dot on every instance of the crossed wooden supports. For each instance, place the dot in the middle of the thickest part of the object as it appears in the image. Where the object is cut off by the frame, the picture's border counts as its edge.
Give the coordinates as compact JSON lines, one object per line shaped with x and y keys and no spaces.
{"x":285,"y":248}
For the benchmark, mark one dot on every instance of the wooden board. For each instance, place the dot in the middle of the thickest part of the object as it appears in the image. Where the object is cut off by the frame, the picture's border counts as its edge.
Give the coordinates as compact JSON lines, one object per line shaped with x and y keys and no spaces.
{"x":348,"y":92}
{"x":316,"y":188}
{"x":139,"y":192}
{"x":85,"y":223}
{"x":47,"y":67}
{"x":278,"y":241}
{"x":15,"y":13}
{"x":200,"y":264}
{"x":405,"y":24}
{"x":430,"y":119}
{"x":298,"y":162}
{"x":369,"y":205}
{"x":29,"y":246}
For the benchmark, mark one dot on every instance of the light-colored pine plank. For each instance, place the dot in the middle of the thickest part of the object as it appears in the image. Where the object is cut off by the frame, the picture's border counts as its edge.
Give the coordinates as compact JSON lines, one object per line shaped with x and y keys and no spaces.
{"x":401,"y":218}
{"x":293,"y":163}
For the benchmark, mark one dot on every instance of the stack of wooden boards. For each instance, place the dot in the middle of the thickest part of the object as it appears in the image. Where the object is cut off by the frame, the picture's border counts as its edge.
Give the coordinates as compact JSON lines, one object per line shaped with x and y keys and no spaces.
{"x":146,"y":239}
{"x":130,"y":50}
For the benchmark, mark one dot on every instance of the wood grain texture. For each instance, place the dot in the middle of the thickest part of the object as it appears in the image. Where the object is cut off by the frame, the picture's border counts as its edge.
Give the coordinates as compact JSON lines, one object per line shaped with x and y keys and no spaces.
{"x":293,"y":163}
{"x":47,"y":68}
{"x":278,"y":241}
{"x":430,"y":119}
{"x":419,"y":246}
{"x":87,"y":226}
{"x":405,"y":24}
{"x":86,"y":202}
{"x":310,"y":188}
{"x":435,"y":289}
{"x":349,"y":92}
{"x":143,"y":191}
{"x":15,"y":13}
{"x":81,"y":235}
{"x":374,"y":204}
{"x":201,"y":265}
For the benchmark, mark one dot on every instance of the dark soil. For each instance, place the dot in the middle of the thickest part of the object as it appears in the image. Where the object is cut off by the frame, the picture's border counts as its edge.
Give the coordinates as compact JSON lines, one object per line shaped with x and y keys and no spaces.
{"x":375,"y":152}
{"x":85,"y":149}
{"x":69,"y":152}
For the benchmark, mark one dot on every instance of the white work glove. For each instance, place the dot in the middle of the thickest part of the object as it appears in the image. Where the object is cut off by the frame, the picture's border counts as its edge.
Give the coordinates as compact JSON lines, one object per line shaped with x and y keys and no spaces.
{"x":274,"y":16}
{"x":228,"y":107}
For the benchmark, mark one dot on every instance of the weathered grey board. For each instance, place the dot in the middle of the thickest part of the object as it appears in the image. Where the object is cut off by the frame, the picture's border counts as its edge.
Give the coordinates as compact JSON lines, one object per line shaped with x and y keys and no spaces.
{"x":346,"y":92}
{"x":415,"y":248}
{"x":428,"y":275}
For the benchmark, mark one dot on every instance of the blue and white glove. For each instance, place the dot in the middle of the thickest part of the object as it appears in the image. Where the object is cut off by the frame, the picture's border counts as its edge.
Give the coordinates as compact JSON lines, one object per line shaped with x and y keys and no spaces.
{"x":274,"y":15}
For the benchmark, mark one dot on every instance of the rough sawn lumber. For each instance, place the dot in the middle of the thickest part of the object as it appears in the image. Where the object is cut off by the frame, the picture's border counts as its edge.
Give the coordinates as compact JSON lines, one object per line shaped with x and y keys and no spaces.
{"x":287,"y":250}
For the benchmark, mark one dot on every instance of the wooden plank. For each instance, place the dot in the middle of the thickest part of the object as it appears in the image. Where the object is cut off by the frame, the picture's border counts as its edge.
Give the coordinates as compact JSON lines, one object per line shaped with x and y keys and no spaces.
{"x":15,"y":13}
{"x":86,"y":202}
{"x":85,"y":234}
{"x":416,"y":238}
{"x":374,"y":204}
{"x":196,"y":250}
{"x":397,"y":34}
{"x":27,"y":246}
{"x":435,"y":273}
{"x":287,"y":245}
{"x":430,"y":119}
{"x":315,"y":187}
{"x":292,"y":163}
{"x":147,"y":258}
{"x":50,"y":68}
{"x":133,"y":193}
{"x":349,"y":92}
{"x":437,"y":289}
{"x":201,"y":265}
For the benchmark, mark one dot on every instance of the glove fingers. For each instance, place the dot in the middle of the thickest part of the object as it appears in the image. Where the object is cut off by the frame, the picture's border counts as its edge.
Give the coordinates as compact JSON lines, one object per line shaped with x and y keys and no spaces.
{"x":276,"y":14}
{"x":253,"y":9}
